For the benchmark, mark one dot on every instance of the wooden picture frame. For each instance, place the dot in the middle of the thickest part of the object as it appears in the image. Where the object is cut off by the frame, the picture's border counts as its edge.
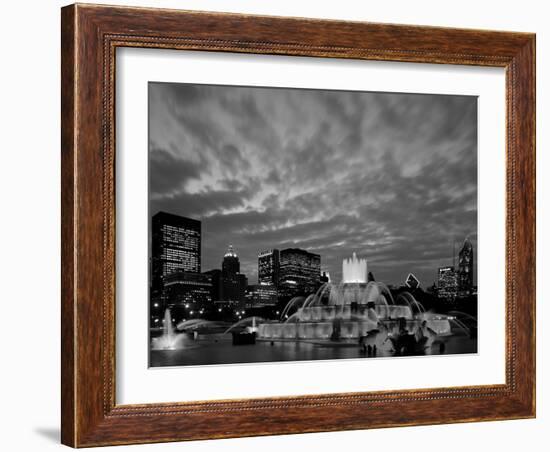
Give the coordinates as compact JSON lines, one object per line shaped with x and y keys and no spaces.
{"x":90,"y":35}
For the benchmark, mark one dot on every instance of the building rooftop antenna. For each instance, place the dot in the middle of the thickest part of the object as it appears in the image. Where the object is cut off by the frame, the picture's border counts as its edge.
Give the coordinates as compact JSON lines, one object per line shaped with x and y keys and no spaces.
{"x":454,"y":252}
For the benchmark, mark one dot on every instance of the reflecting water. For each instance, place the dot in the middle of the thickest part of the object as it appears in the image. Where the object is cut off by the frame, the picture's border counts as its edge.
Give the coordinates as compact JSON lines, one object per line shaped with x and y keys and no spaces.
{"x":218,"y":349}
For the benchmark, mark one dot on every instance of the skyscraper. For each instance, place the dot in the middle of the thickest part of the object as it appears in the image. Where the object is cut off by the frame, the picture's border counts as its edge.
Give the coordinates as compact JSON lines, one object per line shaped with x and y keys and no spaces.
{"x":299,"y":272}
{"x":268,"y":267}
{"x":230,"y":263}
{"x":466,"y":268}
{"x":447,"y":283}
{"x":175,"y":246}
{"x":233,"y":282}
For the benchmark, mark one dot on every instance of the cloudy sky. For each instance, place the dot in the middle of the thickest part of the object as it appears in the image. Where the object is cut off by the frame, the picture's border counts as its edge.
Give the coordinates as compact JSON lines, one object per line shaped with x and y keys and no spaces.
{"x":392,"y":177}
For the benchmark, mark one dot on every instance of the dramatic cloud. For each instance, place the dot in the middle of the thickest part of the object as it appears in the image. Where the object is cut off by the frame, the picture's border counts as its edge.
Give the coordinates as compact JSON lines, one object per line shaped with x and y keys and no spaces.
{"x":390,"y":176}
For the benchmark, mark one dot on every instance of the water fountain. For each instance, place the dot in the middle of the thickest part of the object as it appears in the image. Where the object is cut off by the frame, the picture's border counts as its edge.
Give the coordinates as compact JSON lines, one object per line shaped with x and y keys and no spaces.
{"x":244,"y":332}
{"x":248,"y":325}
{"x":356,"y":308}
{"x":199,"y":325}
{"x":170,"y":340}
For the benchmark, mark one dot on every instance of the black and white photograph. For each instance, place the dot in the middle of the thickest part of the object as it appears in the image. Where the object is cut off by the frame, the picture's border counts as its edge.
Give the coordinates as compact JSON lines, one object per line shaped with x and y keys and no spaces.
{"x":292,"y":224}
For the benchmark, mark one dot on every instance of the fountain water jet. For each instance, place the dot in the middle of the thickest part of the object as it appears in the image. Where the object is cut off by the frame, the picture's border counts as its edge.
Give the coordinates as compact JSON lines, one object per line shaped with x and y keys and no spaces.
{"x":296,"y":301}
{"x":252,"y":328}
{"x":169,"y":340}
{"x":354,"y":270}
{"x":197,"y":324}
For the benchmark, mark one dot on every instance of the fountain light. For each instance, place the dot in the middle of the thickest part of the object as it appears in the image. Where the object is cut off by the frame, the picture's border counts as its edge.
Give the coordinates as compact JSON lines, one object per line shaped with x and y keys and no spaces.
{"x":354,"y":270}
{"x":169,"y":339}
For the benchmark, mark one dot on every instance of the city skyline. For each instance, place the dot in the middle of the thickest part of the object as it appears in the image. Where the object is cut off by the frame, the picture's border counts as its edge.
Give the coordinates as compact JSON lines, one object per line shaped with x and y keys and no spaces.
{"x":390,"y":176}
{"x":257,"y":280}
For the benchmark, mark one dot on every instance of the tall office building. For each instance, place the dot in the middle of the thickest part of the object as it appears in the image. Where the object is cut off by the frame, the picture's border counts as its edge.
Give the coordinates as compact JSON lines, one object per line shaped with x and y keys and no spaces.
{"x":299,"y":272}
{"x":268,"y":267}
{"x":233,"y":282}
{"x":466,"y":269}
{"x":175,"y":247}
{"x":230,"y":262}
{"x":447,"y":283}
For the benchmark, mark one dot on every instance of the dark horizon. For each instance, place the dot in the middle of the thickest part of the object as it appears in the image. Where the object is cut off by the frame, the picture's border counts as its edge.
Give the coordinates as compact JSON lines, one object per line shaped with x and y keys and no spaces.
{"x":392,"y":177}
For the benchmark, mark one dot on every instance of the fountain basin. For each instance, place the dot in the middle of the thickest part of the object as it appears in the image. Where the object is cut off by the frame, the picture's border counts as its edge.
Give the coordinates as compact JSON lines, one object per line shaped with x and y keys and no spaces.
{"x":350,"y":312}
{"x":348,"y":329}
